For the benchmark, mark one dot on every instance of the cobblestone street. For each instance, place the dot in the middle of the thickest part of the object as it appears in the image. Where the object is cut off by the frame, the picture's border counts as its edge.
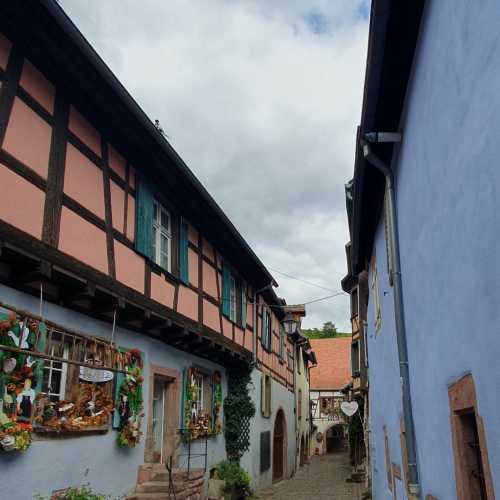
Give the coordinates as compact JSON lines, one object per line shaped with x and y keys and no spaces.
{"x":324,"y":478}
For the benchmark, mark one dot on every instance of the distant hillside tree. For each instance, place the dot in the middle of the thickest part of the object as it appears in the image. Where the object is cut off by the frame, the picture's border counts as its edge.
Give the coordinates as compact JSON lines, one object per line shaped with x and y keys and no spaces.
{"x":327,"y":331}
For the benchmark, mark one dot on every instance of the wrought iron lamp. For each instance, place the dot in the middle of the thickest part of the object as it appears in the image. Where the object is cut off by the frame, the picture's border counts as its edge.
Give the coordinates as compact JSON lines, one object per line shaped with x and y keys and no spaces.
{"x":290,"y":324}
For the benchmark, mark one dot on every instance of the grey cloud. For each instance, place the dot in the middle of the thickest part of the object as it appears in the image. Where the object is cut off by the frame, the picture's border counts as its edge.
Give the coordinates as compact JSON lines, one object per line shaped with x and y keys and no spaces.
{"x":263,"y":110}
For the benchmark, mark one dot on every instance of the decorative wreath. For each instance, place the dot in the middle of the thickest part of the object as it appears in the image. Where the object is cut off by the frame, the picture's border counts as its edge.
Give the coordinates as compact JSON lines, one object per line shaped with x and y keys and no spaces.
{"x":130,"y":402}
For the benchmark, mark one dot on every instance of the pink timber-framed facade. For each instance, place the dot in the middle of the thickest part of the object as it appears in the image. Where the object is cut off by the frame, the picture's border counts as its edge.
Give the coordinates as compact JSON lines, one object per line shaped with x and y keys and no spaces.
{"x":75,"y":154}
{"x":79,"y":189}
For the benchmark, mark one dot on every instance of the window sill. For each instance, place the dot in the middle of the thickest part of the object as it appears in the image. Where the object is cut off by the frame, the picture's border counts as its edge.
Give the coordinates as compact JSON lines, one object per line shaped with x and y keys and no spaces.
{"x":157,"y":269}
{"x":42,"y":432}
{"x":235,"y":323}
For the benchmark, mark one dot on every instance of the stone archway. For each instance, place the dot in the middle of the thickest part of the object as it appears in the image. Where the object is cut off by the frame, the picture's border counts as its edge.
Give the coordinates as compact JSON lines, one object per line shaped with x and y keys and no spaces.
{"x":279,"y":447}
{"x":334,"y":437}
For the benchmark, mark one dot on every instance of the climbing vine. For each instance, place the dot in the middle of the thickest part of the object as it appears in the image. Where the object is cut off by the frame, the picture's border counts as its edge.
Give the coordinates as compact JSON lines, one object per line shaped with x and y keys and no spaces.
{"x":238,"y":410}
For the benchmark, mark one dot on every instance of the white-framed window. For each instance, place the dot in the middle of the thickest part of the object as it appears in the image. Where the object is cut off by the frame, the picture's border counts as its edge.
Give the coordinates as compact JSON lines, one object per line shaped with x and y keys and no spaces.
{"x":232,"y":298}
{"x":203,"y":393}
{"x":55,"y":373}
{"x":162,"y":236}
{"x":375,"y":294}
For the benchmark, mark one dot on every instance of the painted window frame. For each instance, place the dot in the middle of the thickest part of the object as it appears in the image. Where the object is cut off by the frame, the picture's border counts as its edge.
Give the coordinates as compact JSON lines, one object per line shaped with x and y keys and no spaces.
{"x":265,"y":399}
{"x":159,"y":231}
{"x":463,"y":403}
{"x":235,"y":296}
{"x":232,"y":298}
{"x":266,"y":335}
{"x":51,"y":369}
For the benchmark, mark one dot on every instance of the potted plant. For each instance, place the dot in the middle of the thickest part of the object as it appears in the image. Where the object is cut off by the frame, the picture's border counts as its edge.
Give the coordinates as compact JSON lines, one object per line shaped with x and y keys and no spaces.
{"x":236,"y":480}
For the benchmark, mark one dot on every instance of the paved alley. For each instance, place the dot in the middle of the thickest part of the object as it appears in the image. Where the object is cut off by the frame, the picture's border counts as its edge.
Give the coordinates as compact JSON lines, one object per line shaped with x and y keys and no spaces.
{"x":324,"y":478}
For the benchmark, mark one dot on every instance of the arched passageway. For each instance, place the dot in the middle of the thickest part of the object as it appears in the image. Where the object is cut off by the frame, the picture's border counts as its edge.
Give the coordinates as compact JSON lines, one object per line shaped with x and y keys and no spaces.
{"x":335,"y":439}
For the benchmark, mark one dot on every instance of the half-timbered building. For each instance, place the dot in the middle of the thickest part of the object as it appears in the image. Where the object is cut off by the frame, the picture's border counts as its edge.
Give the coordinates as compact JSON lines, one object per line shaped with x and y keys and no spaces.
{"x":126,"y":294}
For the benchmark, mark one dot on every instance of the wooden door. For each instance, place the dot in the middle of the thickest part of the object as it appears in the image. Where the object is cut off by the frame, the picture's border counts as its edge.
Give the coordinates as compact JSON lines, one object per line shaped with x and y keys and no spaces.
{"x":158,"y":419}
{"x":279,"y":450}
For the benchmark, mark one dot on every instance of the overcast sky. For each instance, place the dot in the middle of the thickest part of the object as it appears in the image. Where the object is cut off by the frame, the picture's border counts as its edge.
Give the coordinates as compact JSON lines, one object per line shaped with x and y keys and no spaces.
{"x":261,"y":98}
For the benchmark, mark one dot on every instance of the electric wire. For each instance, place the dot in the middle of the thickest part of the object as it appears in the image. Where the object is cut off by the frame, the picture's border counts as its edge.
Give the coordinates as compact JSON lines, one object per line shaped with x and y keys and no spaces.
{"x":302,"y":280}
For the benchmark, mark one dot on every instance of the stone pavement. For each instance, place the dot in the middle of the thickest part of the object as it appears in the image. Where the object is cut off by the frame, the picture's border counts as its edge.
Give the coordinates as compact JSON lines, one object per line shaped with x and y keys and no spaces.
{"x":323,"y":479}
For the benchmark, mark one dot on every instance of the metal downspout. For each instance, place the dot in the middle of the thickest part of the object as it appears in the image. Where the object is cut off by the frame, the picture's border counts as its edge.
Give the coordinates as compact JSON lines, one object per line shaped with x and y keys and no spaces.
{"x":413,"y":479}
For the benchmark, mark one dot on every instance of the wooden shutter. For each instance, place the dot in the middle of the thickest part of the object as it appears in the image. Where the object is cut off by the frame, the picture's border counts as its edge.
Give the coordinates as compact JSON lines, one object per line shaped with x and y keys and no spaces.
{"x":265,"y":451}
{"x":119,"y":378}
{"x":226,"y":290}
{"x":183,"y":252}
{"x":144,"y":219}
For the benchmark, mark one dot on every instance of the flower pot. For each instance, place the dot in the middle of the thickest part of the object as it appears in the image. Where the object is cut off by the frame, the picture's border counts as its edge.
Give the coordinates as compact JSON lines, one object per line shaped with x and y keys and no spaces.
{"x":8,"y":443}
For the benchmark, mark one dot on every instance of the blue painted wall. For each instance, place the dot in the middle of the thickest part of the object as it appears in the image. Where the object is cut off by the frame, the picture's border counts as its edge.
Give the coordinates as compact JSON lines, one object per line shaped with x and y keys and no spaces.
{"x":282,"y":398}
{"x":97,"y":460}
{"x":448,"y":202}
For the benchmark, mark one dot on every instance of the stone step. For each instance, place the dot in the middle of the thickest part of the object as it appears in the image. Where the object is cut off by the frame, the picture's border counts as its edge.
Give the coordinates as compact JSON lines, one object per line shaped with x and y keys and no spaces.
{"x":177,"y":475}
{"x":187,"y":495}
{"x":153,"y":487}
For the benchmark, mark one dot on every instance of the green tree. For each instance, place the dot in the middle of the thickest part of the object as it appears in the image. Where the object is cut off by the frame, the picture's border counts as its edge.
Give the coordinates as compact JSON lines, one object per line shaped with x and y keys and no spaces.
{"x":329,"y":329}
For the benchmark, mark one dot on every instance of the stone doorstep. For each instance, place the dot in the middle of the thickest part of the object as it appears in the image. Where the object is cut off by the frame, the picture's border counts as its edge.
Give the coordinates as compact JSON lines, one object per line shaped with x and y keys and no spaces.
{"x":163,"y":486}
{"x":158,"y":472}
{"x":163,"y":496}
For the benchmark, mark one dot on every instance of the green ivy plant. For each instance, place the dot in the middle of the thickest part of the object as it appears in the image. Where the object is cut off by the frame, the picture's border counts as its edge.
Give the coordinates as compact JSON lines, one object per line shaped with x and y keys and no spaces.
{"x":238,"y":410}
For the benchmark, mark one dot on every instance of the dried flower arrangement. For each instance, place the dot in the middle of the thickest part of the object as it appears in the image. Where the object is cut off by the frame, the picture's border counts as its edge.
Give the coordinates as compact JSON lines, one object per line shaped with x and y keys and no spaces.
{"x":130,"y":401}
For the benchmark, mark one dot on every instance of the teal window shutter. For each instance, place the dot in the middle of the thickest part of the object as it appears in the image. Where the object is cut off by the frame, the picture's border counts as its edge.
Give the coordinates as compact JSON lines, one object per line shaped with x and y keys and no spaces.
{"x":243,"y":305}
{"x":144,"y":218}
{"x":226,"y":290}
{"x":263,"y":339}
{"x":183,"y":252}
{"x":119,"y":379}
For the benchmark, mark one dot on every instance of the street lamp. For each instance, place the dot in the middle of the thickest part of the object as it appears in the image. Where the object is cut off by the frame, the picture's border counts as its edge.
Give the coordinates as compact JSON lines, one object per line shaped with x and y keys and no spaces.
{"x":290,"y":324}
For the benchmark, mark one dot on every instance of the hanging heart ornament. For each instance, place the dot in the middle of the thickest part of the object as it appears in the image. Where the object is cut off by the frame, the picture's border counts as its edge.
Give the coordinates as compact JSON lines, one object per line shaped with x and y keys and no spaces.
{"x":349,"y":408}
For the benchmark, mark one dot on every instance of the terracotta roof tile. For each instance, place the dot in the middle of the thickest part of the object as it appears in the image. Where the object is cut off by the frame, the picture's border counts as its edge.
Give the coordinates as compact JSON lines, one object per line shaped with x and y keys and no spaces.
{"x":334,"y":363}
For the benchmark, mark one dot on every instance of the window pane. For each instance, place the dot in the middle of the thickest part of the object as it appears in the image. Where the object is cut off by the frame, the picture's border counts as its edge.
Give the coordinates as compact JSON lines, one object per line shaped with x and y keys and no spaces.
{"x":164,"y":261}
{"x":163,"y":243}
{"x":207,"y":394}
{"x":55,"y":384}
{"x":155,"y":212}
{"x":154,"y":245}
{"x":45,"y":381}
{"x":165,"y":220}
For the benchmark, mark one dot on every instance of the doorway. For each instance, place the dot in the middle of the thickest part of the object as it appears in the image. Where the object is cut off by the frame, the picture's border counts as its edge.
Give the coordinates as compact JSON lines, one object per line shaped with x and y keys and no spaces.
{"x":162,"y":415}
{"x":279,"y":446}
{"x":159,"y":418}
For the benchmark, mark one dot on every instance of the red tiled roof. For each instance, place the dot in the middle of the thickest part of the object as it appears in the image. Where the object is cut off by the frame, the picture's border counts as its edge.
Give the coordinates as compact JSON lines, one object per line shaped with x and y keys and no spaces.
{"x":334,"y":358}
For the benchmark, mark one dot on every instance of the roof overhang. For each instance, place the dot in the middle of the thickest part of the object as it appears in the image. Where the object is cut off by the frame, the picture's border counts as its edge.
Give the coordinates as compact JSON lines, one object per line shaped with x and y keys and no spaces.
{"x":394,"y":29}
